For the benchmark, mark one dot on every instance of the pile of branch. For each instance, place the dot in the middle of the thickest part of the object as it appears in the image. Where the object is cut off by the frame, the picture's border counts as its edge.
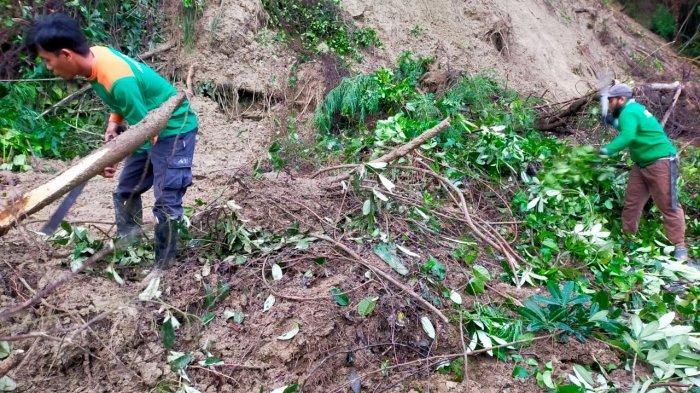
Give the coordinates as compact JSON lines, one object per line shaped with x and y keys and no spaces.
{"x":557,"y":115}
{"x":479,"y":228}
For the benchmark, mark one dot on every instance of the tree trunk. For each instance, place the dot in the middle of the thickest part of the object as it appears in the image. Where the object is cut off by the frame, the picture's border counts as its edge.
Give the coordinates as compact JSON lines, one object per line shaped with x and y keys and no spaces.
{"x":111,"y":153}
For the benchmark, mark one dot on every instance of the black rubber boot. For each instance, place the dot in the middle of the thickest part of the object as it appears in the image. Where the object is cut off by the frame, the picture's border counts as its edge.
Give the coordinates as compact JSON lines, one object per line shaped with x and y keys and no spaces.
{"x":165,"y":237}
{"x":128,"y":216}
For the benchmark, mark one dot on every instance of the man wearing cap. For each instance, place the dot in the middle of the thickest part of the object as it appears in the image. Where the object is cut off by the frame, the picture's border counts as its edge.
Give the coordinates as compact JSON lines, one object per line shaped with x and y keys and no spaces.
{"x":655,"y":169}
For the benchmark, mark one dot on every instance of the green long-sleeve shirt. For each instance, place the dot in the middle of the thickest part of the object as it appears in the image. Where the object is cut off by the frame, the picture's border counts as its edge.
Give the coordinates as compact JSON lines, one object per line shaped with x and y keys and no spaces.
{"x":642,"y":134}
{"x":131,"y":89}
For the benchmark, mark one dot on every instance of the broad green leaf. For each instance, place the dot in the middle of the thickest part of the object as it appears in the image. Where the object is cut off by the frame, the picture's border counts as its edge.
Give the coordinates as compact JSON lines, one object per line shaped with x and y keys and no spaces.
{"x":387,"y":252}
{"x":151,"y":291}
{"x":114,"y":275}
{"x":5,"y":349}
{"x":481,"y":272}
{"x":551,"y":243}
{"x":427,"y":327}
{"x":377,"y":165}
{"x":435,"y":268}
{"x":211,"y":361}
{"x":520,"y":372}
{"x":208,"y":317}
{"x":379,"y":195}
{"x":485,"y":341}
{"x":179,"y":360}
{"x":7,"y":384}
{"x":455,"y":297}
{"x":666,"y":319}
{"x":340,"y":297}
{"x":547,"y":379}
{"x":269,"y":302}
{"x":290,"y":334}
{"x":533,"y":203}
{"x":570,"y":389}
{"x":407,"y":251}
{"x":367,"y":207}
{"x":584,"y":375}
{"x":276,"y":272}
{"x":367,"y":305}
{"x":237,"y":316}
{"x":386,"y":183}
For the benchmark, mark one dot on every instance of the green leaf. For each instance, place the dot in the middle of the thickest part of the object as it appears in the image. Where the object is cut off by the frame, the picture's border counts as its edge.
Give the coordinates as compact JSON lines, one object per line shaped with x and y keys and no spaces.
{"x":367,"y":305}
{"x":520,"y":372}
{"x":547,"y":379}
{"x":7,"y":384}
{"x":5,"y":349}
{"x":386,"y":183}
{"x":367,"y":207}
{"x":387,"y":252}
{"x":237,"y":316}
{"x":276,"y":272}
{"x":151,"y":290}
{"x":211,"y":361}
{"x":340,"y":297}
{"x":168,"y":333}
{"x":455,"y":297}
{"x":290,"y":334}
{"x":208,"y":317}
{"x":428,"y":327}
{"x":551,"y":243}
{"x":570,"y":389}
{"x":269,"y":302}
{"x":435,"y":268}
{"x":179,"y":361}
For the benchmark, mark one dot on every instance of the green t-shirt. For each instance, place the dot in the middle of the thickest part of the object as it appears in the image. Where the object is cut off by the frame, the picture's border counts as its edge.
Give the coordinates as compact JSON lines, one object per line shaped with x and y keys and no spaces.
{"x":131,"y":89}
{"x":642,"y":134}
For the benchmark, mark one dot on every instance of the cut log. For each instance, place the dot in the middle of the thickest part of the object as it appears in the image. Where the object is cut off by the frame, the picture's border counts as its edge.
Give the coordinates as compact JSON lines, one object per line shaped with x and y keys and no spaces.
{"x":399,"y":151}
{"x":111,"y":153}
{"x":662,"y":86}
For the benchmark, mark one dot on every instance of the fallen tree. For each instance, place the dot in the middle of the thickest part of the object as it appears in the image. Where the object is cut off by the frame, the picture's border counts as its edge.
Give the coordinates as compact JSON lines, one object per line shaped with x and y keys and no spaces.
{"x":111,"y":153}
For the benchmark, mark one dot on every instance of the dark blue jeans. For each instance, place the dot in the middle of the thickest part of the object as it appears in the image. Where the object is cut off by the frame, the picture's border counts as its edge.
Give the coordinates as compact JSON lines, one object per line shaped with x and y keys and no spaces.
{"x":167,"y":167}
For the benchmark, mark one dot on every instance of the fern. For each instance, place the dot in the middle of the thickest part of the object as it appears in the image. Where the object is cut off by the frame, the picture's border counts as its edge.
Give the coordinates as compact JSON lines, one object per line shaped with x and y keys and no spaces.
{"x":355,"y":97}
{"x":366,"y":94}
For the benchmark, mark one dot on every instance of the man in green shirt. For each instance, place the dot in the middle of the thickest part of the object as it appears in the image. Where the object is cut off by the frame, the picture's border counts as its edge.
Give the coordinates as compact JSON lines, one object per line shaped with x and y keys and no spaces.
{"x":655,"y":169}
{"x":130,"y":89}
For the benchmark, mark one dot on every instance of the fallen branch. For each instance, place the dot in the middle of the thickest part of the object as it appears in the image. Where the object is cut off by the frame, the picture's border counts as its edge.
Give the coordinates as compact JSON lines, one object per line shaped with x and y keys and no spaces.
{"x":465,"y":379}
{"x":399,"y":151}
{"x":7,"y":312}
{"x":550,"y":121}
{"x":673,"y":105}
{"x":188,"y":83}
{"x":484,"y":232}
{"x":384,"y":275}
{"x":111,"y":153}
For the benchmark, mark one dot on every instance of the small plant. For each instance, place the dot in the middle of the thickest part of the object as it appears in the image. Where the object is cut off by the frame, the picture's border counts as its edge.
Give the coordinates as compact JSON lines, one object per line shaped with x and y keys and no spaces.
{"x":564,"y":310}
{"x":663,"y":22}
{"x":320,"y":27}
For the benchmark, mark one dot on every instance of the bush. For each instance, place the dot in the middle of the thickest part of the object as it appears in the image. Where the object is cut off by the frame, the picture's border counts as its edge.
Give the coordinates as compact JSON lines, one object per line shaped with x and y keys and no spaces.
{"x":663,"y":22}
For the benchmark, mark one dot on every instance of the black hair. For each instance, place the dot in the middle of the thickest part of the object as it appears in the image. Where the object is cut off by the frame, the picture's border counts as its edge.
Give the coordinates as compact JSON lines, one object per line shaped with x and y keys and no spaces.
{"x":55,"y":32}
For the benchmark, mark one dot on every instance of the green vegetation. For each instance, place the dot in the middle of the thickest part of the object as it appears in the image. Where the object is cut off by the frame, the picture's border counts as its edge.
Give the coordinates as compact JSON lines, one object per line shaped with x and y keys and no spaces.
{"x":29,"y":124}
{"x":663,"y":22}
{"x":675,"y":21}
{"x":570,"y":209}
{"x":320,"y":27}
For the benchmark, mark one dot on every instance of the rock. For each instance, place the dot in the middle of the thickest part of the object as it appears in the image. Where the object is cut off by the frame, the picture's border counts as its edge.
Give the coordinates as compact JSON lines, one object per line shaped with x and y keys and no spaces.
{"x":150,"y":372}
{"x":354,"y":8}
